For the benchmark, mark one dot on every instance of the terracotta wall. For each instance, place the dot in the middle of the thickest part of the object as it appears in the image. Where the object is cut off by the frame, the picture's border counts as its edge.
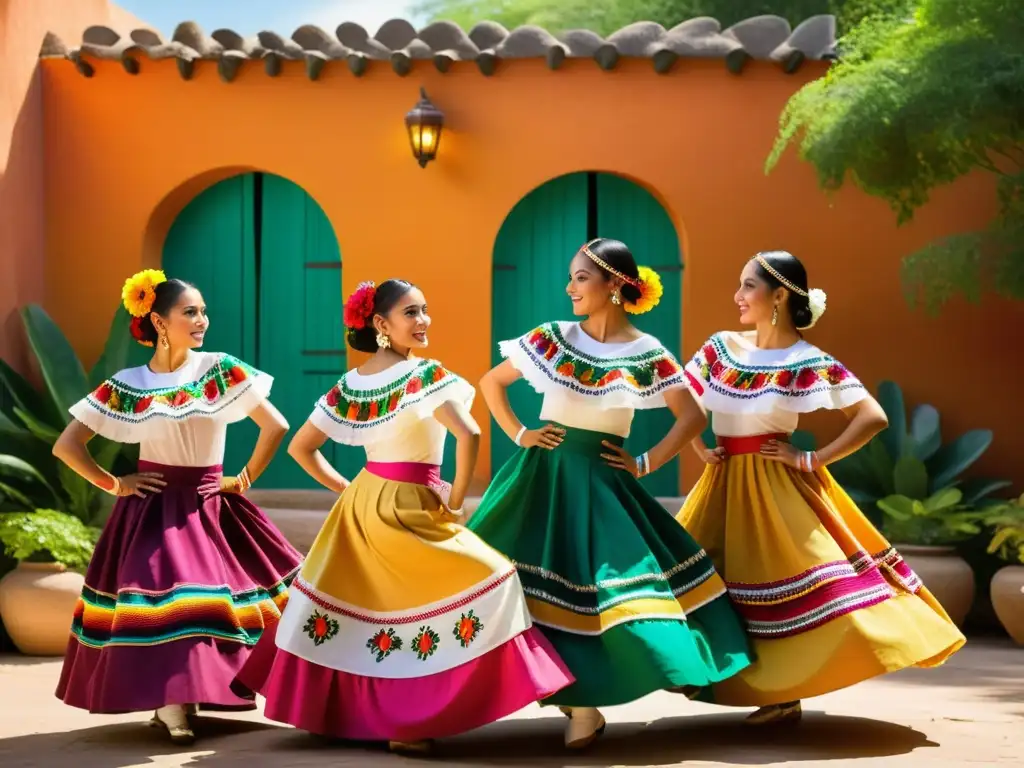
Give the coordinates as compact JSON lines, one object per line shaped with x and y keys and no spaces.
{"x":125,"y":153}
{"x":23,"y":24}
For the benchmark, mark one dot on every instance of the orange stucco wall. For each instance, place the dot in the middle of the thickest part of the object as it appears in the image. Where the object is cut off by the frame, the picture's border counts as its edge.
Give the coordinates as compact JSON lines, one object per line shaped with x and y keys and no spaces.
{"x":125,"y":153}
{"x":23,"y":24}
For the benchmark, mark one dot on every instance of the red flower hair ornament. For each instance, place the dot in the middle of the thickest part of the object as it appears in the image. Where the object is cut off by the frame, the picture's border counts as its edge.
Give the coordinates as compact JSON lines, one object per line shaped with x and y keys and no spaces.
{"x":359,"y":306}
{"x":136,"y":330}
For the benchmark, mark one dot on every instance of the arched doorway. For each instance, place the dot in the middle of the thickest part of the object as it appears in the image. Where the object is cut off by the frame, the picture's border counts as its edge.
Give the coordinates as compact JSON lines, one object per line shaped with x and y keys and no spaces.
{"x":531,"y":261}
{"x":266,"y":258}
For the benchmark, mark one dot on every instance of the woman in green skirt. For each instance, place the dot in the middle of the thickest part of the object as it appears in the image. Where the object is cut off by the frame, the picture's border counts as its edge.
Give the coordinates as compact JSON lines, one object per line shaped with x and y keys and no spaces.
{"x":632,"y":604}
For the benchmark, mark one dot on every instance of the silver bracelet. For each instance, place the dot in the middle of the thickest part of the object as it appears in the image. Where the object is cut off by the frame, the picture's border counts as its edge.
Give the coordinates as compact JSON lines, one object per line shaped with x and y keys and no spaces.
{"x":519,"y":436}
{"x":643,"y":465}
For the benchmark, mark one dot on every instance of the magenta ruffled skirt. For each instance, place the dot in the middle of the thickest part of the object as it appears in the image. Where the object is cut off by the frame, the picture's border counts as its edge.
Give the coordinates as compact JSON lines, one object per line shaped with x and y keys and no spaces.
{"x":348,"y":706}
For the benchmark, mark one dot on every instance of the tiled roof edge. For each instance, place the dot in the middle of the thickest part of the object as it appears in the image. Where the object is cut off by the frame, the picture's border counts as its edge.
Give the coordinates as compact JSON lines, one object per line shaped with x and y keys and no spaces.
{"x":444,"y":42}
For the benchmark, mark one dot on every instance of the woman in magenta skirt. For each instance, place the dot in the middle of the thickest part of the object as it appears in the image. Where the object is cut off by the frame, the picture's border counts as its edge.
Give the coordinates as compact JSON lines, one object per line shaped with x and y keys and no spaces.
{"x":187,"y":573}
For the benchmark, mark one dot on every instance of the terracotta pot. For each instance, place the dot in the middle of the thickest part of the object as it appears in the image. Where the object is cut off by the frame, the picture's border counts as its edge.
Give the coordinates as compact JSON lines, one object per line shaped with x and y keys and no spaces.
{"x":37,"y":602}
{"x":946,"y":575}
{"x":1008,"y":600}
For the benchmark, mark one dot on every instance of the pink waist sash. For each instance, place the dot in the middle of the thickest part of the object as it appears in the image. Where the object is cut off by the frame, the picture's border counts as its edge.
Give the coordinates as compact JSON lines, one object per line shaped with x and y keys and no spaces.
{"x":412,"y":472}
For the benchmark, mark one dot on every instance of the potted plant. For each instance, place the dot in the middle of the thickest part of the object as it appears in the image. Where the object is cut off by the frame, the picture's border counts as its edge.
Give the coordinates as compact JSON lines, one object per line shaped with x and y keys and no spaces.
{"x":925,"y":531}
{"x":909,"y":458}
{"x":37,"y":598}
{"x":1007,"y":522}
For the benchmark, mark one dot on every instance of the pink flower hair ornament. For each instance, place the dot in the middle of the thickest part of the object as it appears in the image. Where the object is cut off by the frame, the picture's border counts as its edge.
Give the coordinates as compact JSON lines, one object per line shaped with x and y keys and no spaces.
{"x":359,"y":306}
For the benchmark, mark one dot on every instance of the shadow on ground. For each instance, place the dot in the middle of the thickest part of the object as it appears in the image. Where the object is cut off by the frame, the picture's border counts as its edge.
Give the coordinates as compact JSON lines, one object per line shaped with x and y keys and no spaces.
{"x":996,"y":675}
{"x":228,"y":743}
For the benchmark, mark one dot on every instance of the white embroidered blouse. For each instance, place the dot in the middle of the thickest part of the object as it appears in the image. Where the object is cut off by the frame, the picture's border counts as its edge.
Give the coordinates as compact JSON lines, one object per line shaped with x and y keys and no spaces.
{"x":753,"y":391}
{"x":178,"y":418}
{"x":391,"y":413}
{"x":589,"y":384}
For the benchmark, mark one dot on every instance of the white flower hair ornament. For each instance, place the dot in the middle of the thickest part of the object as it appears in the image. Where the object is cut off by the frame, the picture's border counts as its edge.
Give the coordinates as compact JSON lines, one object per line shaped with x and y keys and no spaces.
{"x":816,"y":299}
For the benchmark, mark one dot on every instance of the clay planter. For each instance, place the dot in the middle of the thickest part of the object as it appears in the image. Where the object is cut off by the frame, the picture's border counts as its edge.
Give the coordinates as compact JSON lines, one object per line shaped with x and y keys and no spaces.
{"x":37,"y":602}
{"x":946,"y":575}
{"x":1008,"y":600}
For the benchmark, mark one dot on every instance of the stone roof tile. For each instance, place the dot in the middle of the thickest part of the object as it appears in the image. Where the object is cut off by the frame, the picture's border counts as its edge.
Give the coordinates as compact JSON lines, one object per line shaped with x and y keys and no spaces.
{"x":487,"y":44}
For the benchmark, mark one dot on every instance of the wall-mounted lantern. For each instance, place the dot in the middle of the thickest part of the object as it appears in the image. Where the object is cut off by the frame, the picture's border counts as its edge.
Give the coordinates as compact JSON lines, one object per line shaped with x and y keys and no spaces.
{"x":424,"y":123}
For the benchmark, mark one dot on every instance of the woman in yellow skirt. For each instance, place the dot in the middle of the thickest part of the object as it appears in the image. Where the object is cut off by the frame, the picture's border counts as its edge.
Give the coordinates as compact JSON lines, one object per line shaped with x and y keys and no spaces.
{"x":827,"y":600}
{"x":403,"y":626}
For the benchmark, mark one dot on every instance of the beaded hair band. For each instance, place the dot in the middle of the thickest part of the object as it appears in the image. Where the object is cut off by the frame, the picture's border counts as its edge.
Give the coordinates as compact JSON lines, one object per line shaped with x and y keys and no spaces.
{"x":775,"y":273}
{"x":607,"y":267}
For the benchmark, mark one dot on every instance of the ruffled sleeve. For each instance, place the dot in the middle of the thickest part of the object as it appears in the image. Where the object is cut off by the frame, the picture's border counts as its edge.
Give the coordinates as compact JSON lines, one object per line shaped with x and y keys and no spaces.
{"x":725,"y":381}
{"x":228,"y":390}
{"x":552,"y":364}
{"x":360,"y":416}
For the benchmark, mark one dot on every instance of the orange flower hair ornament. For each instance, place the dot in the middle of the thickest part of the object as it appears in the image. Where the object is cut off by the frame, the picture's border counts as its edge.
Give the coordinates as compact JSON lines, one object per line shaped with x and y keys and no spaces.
{"x":138,"y":294}
{"x":139,"y":291}
{"x":650,"y":288}
{"x":649,"y":283}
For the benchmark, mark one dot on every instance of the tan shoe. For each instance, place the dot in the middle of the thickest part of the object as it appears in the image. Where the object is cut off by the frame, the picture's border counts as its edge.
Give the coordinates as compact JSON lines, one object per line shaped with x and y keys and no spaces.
{"x":422,"y":747}
{"x":174,"y":719}
{"x":584,"y":726}
{"x":777,"y":714}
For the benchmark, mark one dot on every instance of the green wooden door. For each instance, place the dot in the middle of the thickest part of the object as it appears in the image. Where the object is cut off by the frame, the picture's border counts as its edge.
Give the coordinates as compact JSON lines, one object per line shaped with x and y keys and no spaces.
{"x":531,"y":272}
{"x":212,"y":245}
{"x":266,"y":259}
{"x":630,"y":213}
{"x":531,"y":263}
{"x":300,"y":337}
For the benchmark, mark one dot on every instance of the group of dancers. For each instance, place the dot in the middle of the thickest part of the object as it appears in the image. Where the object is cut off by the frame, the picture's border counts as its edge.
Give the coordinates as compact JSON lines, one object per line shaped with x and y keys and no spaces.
{"x":570,"y":585}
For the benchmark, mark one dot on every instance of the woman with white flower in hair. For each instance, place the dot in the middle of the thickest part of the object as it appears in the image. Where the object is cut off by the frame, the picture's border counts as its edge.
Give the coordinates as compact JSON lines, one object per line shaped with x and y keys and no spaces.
{"x":827,"y":601}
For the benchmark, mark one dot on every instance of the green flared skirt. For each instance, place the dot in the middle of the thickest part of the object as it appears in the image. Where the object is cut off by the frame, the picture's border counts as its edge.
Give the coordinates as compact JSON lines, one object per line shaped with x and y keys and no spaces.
{"x":627,"y":597}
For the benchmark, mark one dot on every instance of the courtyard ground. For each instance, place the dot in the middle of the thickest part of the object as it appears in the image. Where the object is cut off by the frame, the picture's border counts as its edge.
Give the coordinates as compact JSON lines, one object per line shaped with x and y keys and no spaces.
{"x":969,"y":712}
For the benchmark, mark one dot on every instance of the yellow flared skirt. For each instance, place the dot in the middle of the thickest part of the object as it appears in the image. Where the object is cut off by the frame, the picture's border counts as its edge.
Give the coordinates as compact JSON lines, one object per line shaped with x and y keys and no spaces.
{"x":392,"y":546}
{"x":827,"y":601}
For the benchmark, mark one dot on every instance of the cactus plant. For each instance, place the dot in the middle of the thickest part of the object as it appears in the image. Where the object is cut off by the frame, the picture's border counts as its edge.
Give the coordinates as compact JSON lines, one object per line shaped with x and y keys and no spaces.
{"x":909,"y":459}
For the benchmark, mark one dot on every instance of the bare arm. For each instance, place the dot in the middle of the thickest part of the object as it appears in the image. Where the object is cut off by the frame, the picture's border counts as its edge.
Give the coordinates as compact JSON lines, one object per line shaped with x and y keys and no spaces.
{"x":867,"y":419}
{"x":71,"y":448}
{"x":457,"y":420}
{"x":698,"y":446}
{"x":690,"y":422}
{"x":305,"y":449}
{"x":494,"y":386}
{"x":273,"y":428}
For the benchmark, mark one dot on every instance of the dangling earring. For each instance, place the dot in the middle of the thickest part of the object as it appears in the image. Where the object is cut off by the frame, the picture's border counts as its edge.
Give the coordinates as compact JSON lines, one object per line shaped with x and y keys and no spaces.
{"x":382,"y":340}
{"x":616,"y":299}
{"x":163,"y":341}
{"x":775,"y":314}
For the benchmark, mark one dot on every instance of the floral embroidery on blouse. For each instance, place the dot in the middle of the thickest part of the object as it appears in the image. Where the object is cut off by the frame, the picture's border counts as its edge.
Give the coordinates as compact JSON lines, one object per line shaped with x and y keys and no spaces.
{"x":714,"y":367}
{"x":644,"y":374}
{"x":370,"y":407}
{"x":117,"y":400}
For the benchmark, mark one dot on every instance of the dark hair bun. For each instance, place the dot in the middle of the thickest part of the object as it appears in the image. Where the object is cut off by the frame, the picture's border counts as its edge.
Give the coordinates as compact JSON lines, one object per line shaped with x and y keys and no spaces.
{"x":362,"y":339}
{"x":165,"y":296}
{"x":791,"y":268}
{"x":385,"y":297}
{"x":800,"y":311}
{"x":616,"y":254}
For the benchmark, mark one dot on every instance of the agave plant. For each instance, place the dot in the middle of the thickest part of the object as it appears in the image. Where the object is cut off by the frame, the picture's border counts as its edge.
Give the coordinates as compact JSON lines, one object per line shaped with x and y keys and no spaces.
{"x":32,"y":418}
{"x":1007,"y":524}
{"x":909,"y":459}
